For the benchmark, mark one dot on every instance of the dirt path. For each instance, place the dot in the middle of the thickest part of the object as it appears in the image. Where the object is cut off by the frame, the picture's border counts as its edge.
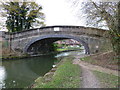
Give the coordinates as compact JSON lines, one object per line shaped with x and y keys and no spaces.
{"x":94,"y":67}
{"x":88,"y":78}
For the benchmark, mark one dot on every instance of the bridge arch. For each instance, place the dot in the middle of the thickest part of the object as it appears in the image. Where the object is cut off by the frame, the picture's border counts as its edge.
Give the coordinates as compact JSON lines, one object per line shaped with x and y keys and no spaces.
{"x":87,"y":50}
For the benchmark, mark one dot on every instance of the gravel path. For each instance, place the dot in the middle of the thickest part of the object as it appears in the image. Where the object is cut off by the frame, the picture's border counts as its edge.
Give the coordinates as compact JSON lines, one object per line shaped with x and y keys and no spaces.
{"x":98,"y":68}
{"x":88,"y":78}
{"x":94,"y":67}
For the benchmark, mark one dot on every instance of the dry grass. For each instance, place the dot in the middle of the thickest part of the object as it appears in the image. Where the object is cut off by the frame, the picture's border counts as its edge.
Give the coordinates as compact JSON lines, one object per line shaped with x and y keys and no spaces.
{"x":105,"y":60}
{"x":7,"y":53}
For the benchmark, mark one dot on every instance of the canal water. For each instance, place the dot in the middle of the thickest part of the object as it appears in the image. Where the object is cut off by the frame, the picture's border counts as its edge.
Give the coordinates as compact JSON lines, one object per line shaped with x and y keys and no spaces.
{"x":22,"y":73}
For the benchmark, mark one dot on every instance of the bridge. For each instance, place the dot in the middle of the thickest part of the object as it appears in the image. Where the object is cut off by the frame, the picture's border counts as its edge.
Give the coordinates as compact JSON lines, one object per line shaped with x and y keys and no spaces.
{"x":38,"y":39}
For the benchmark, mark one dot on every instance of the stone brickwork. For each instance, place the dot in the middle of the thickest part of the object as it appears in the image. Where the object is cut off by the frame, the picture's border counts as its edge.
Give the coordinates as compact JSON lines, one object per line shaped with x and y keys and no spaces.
{"x":93,"y":39}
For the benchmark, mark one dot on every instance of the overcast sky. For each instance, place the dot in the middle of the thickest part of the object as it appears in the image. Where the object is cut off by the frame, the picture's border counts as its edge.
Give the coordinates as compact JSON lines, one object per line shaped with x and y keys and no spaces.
{"x":59,"y":12}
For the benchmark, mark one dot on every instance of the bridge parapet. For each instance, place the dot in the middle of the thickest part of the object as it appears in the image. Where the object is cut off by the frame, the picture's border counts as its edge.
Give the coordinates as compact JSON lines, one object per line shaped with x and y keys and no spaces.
{"x":58,"y":30}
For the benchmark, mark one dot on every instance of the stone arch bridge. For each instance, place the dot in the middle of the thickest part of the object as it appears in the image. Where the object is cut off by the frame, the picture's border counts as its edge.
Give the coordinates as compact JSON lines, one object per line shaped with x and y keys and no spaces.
{"x":34,"y":40}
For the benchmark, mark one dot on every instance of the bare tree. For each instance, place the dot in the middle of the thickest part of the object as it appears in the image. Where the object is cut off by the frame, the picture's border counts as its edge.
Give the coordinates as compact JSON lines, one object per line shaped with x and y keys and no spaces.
{"x":104,"y":14}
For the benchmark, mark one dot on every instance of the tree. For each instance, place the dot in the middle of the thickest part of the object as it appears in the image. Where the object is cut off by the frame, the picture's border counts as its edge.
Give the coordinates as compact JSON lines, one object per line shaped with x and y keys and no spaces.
{"x":105,"y":14}
{"x":22,"y":15}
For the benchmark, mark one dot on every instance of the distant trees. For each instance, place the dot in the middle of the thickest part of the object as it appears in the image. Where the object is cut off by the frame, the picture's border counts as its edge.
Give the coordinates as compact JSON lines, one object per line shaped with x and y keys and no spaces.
{"x":22,"y":15}
{"x":104,"y":14}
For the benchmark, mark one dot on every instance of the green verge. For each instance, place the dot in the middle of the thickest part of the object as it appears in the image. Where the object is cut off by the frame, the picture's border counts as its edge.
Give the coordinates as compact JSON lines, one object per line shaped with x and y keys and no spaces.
{"x":108,"y":80}
{"x":61,"y":49}
{"x":67,"y":75}
{"x":88,"y":59}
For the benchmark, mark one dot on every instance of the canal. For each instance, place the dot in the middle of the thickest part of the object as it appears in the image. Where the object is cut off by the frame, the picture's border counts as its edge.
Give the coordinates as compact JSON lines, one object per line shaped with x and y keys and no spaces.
{"x":22,"y":73}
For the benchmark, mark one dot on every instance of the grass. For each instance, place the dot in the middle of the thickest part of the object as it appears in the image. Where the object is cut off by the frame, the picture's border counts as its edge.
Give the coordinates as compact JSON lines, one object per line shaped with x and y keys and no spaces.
{"x":89,"y":60}
{"x":108,"y":80}
{"x":105,"y":60}
{"x":61,"y":49}
{"x":67,"y":75}
{"x":68,"y":48}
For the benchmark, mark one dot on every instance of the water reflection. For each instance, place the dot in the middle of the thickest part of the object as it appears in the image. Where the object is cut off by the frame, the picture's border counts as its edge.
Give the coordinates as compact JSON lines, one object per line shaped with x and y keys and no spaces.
{"x":71,"y":53}
{"x":62,"y":54}
{"x":2,"y":77}
{"x":22,"y":73}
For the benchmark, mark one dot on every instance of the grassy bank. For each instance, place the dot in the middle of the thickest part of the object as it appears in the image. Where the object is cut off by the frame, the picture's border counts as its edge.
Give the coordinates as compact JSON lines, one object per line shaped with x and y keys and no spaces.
{"x":108,"y":80}
{"x":67,"y":75}
{"x":105,"y":60}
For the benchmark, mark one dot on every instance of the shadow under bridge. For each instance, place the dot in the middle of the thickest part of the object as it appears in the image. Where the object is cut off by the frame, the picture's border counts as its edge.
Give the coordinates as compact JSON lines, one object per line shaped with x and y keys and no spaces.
{"x":43,"y":44}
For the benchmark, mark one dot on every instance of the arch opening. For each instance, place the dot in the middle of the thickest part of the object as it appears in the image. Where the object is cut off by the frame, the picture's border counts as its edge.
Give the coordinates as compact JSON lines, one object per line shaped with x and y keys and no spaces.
{"x":40,"y":43}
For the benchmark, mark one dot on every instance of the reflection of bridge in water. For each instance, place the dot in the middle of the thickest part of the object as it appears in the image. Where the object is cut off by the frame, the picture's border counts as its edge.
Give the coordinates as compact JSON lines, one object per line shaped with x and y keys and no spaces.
{"x":35,"y":40}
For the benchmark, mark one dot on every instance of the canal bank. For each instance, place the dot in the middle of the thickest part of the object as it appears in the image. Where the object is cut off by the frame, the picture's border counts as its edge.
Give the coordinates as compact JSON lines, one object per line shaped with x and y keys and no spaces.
{"x":50,"y":71}
{"x":24,"y":56}
{"x":20,"y":73}
{"x":64,"y":75}
{"x":90,"y":76}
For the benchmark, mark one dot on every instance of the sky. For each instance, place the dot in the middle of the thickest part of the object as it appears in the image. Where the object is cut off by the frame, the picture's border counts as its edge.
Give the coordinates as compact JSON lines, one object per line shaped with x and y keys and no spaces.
{"x":59,"y":12}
